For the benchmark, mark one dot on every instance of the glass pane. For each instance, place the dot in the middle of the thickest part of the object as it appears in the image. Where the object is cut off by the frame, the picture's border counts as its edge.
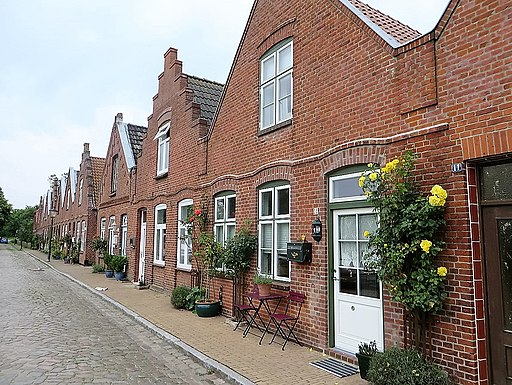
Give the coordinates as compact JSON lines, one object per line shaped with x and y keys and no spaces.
{"x":219,"y":234}
{"x":160,"y":216}
{"x":283,"y":201}
{"x":283,"y":235}
{"x":230,"y":230}
{"x":266,"y":203}
{"x":348,"y":281}
{"x":267,"y":71}
{"x":265,"y":263}
{"x":285,"y":108}
{"x":163,"y":245}
{"x":363,"y":247}
{"x":184,"y":210}
{"x":157,"y":242}
{"x":268,"y":116}
{"x":348,"y":254}
{"x":219,"y":212}
{"x":285,"y":86}
{"x":495,"y":182}
{"x":268,"y":94}
{"x":345,"y":188}
{"x":266,"y":236}
{"x":285,"y":58}
{"x":367,"y":222}
{"x":283,"y":266}
{"x":505,"y":252}
{"x":368,"y":284}
{"x":183,"y":246}
{"x":347,"y":227}
{"x":231,"y":207}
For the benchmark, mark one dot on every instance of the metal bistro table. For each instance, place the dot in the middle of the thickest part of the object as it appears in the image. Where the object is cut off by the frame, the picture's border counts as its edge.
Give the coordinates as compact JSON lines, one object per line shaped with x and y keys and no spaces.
{"x":263,"y":302}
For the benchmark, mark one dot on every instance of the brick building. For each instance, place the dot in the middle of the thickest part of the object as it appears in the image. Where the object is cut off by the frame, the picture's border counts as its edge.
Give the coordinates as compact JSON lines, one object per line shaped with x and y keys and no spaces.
{"x":316,"y":91}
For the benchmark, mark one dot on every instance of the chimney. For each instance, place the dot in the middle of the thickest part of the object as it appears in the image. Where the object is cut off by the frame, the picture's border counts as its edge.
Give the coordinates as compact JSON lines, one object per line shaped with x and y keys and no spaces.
{"x":86,"y":153}
{"x":119,"y":117}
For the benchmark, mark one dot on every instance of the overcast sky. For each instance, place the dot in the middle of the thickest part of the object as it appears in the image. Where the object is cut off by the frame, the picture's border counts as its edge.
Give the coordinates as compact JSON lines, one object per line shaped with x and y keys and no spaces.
{"x":67,"y":67}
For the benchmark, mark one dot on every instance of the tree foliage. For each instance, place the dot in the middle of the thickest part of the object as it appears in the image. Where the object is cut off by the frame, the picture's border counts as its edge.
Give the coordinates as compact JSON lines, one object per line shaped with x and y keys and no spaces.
{"x":5,"y":212}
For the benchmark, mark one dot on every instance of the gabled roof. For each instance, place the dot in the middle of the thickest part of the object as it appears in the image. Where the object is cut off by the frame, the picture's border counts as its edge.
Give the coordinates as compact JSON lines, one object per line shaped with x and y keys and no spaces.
{"x":131,"y":137}
{"x":97,"y":165}
{"x":207,"y":94}
{"x":391,"y":30}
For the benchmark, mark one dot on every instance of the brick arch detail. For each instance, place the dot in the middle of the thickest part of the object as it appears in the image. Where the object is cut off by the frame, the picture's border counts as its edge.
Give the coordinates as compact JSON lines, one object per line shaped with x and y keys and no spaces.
{"x":272,"y":174}
{"x":223,"y":185}
{"x":282,"y":32}
{"x":351,"y":156}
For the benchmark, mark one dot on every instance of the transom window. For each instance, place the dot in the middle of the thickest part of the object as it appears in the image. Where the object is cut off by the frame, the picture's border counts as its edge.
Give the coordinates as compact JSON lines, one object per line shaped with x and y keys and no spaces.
{"x":160,"y":229}
{"x":225,"y":223}
{"x":276,"y":85}
{"x":345,"y":188}
{"x":184,"y":261}
{"x":163,"y":149}
{"x":274,"y":232}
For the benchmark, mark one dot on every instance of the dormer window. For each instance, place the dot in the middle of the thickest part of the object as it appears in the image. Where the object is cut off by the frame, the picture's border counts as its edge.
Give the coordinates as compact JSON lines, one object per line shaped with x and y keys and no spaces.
{"x":162,"y":136}
{"x":276,"y":85}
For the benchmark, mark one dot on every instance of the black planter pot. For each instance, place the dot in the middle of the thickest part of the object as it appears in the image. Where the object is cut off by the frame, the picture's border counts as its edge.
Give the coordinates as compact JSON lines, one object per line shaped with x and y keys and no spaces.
{"x":364,"y":364}
{"x":207,"y":308}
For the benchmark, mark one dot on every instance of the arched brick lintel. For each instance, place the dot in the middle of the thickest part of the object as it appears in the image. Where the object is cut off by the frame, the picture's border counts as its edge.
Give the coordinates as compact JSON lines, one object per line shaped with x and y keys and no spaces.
{"x":351,"y":156}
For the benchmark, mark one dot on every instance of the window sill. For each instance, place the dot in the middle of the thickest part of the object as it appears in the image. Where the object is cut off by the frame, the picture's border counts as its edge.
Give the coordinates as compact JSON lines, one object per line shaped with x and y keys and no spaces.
{"x":280,"y":285}
{"x":113,"y":194}
{"x":162,"y":175}
{"x":186,"y":269}
{"x":159,"y":263}
{"x":275,"y":127}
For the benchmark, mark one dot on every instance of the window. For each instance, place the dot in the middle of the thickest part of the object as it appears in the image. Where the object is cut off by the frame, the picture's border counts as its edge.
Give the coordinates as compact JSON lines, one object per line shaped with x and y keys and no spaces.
{"x":82,"y":238}
{"x":224,"y":226}
{"x":112,"y":241}
{"x":103,"y":225}
{"x":113,"y":184}
{"x":345,"y":188}
{"x":78,"y":233}
{"x":160,"y":227}
{"x":274,"y":232}
{"x":80,"y":192}
{"x":124,"y":233}
{"x":163,"y":149}
{"x":184,"y":237}
{"x":276,"y":85}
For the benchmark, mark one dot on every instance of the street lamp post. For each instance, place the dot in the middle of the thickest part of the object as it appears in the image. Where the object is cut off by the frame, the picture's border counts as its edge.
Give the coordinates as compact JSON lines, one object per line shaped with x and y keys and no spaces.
{"x":53,"y":213}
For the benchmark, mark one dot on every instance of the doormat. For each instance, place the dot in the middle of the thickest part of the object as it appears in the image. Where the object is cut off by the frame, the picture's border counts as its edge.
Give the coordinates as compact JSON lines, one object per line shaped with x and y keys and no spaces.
{"x":335,"y":367}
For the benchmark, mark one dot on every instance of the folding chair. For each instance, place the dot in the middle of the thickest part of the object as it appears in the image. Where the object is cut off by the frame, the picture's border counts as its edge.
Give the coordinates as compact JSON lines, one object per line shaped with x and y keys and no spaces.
{"x":287,"y":319}
{"x":245,"y":312}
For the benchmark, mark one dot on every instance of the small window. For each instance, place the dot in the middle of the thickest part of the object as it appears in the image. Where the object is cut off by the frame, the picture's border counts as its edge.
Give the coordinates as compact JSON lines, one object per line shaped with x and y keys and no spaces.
{"x":276,"y":85}
{"x":162,"y":137}
{"x":225,"y":223}
{"x":345,"y":188}
{"x":160,"y":230}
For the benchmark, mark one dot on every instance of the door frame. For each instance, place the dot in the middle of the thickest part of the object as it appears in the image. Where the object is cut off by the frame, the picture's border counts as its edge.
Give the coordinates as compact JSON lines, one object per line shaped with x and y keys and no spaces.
{"x":140,"y":238}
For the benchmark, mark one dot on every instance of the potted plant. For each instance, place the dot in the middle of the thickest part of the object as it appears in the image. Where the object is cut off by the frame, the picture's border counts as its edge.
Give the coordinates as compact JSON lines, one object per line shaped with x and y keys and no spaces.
{"x":264,"y":283}
{"x":364,"y":357}
{"x":107,"y":260}
{"x":118,"y":263}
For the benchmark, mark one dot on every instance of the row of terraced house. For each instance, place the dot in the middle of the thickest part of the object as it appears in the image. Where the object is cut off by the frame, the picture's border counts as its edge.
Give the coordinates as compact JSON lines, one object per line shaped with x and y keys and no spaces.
{"x":317,"y":90}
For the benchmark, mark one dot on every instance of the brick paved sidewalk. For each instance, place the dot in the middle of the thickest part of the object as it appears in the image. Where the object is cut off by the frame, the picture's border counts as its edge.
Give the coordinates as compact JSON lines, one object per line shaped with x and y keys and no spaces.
{"x":213,"y":337}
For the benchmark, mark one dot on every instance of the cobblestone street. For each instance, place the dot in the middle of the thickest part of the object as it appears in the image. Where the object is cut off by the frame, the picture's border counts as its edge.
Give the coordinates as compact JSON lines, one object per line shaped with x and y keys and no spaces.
{"x":53,"y":331}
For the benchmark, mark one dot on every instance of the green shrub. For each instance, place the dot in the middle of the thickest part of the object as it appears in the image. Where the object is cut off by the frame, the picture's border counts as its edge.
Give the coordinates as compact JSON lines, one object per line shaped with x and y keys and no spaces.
{"x":97,"y":268}
{"x":196,"y":294}
{"x":404,"y":366}
{"x":179,"y":297}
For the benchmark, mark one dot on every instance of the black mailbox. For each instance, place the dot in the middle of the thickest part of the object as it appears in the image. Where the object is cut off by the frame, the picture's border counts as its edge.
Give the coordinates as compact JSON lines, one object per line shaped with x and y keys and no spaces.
{"x":298,"y":251}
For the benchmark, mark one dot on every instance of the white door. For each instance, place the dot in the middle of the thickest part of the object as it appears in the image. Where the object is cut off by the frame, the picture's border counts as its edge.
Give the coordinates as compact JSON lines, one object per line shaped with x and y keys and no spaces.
{"x":142,"y":246}
{"x":357,"y":292}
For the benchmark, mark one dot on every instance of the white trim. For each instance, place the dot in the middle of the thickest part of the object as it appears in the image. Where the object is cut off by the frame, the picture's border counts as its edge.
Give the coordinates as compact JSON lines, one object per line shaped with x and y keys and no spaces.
{"x":352,"y":198}
{"x":161,"y":229}
{"x":162,"y":130}
{"x":122,"y":129}
{"x":181,"y":242}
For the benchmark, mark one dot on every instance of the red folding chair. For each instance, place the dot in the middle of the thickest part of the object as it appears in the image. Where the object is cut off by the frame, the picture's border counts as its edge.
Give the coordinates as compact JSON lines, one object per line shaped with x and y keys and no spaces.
{"x":288,"y":319}
{"x":245,"y":310}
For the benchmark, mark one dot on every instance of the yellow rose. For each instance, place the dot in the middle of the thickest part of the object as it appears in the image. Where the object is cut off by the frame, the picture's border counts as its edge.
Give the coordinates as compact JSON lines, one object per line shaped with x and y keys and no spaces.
{"x":439,"y":192}
{"x":425,"y":245}
{"x":367,"y":193}
{"x":373,"y":176}
{"x":436,"y":201}
{"x":361,"y":180}
{"x":442,"y":271}
{"x":366,"y":233}
{"x":370,"y":165}
{"x":430,"y":305}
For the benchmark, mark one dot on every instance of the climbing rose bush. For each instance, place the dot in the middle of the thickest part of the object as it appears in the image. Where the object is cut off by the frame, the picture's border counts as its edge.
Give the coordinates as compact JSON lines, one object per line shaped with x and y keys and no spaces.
{"x":404,"y":248}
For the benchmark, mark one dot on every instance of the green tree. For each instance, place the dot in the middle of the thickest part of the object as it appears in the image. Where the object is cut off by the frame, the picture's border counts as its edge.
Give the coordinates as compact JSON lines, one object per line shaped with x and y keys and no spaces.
{"x":5,"y":211}
{"x":21,"y":222}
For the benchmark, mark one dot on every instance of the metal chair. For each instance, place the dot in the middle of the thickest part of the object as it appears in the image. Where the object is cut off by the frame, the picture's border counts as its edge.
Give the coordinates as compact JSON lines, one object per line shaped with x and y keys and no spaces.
{"x":288,"y":319}
{"x":245,"y":311}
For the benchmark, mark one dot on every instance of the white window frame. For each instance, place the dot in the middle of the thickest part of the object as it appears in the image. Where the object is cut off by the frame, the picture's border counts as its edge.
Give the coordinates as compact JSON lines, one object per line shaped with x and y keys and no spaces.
{"x":162,"y":157}
{"x":112,"y":241}
{"x":82,"y":238}
{"x":160,"y":235}
{"x":124,"y":233}
{"x":103,"y":226}
{"x":332,"y":180}
{"x":274,"y":220}
{"x":184,"y":244}
{"x":226,"y":221}
{"x":274,"y":80}
{"x":80,"y":192}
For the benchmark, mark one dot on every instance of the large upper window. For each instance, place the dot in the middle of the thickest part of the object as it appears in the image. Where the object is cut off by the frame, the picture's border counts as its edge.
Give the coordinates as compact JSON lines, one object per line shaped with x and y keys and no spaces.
{"x":160,"y":228}
{"x":184,"y":261}
{"x":274,"y":231}
{"x":162,"y":136}
{"x":224,"y":226}
{"x":113,"y":184}
{"x":276,"y":85}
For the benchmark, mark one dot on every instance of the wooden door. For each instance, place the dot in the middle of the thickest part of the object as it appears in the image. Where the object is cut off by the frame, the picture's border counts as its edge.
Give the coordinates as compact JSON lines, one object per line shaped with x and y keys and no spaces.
{"x":497,"y":231}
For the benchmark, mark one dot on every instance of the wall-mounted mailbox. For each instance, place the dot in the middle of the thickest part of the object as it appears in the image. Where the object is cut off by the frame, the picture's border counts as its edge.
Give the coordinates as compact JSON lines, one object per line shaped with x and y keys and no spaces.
{"x":298,"y":251}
